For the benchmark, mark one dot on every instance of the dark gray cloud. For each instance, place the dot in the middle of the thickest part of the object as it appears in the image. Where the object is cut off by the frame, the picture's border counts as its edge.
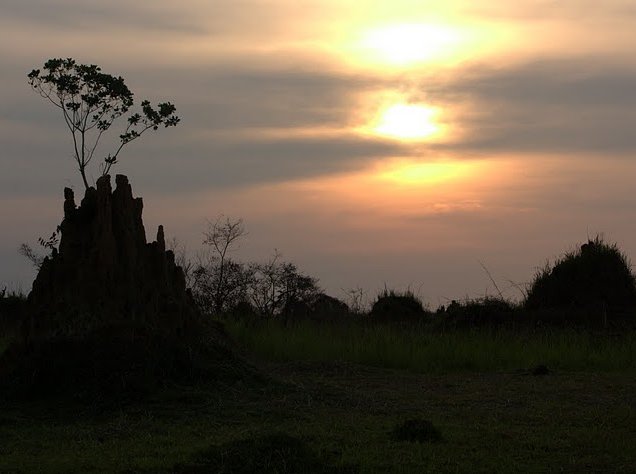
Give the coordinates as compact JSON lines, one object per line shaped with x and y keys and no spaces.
{"x":241,"y":98}
{"x":567,"y":81}
{"x":230,"y":162}
{"x":564,"y":106}
{"x":94,"y":16}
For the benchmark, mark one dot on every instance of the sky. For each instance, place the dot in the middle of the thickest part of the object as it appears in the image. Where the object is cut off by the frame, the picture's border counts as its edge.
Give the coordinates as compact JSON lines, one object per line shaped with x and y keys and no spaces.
{"x":402,"y":144}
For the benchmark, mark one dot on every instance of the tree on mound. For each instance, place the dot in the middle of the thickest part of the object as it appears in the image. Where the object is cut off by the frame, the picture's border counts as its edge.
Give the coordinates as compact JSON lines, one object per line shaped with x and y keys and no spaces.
{"x":108,"y":308}
{"x":91,"y":101}
{"x":596,"y":276}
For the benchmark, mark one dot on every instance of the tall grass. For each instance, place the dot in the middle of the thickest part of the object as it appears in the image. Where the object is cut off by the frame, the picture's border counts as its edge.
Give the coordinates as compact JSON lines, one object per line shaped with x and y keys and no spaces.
{"x":418,"y":349}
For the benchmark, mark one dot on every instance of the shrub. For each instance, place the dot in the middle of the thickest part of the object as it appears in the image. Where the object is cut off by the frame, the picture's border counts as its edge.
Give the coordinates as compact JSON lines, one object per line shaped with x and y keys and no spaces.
{"x":395,"y":306}
{"x":320,"y":308}
{"x":595,"y":278}
{"x":488,"y":311}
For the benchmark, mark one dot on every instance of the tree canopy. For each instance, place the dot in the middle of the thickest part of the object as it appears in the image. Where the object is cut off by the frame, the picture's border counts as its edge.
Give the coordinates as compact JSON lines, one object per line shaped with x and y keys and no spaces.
{"x":91,"y":101}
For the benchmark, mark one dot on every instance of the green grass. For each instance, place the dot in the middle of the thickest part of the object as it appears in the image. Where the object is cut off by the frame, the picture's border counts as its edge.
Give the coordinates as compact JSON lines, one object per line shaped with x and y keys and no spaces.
{"x":347,"y":415}
{"x":419,"y":349}
{"x":339,"y":394}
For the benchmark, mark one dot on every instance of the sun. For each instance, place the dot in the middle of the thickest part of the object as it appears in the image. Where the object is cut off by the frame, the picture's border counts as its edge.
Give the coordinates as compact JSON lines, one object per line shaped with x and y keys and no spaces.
{"x":406,"y":44}
{"x":408,"y":122}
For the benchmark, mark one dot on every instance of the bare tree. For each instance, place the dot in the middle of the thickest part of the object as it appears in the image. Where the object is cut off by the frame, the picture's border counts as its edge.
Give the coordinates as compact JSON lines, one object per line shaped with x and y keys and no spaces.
{"x":263,"y":287}
{"x":218,"y":279}
{"x":221,"y":283}
{"x":294,"y":286}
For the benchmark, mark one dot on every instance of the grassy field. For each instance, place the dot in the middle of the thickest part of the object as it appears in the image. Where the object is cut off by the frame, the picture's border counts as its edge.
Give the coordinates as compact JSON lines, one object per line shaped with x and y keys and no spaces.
{"x":420,"y":349}
{"x":330,"y":403}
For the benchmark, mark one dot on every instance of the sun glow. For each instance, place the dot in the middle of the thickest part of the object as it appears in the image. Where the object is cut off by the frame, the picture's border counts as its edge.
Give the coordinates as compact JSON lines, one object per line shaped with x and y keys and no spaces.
{"x":414,"y":173}
{"x":406,"y":44}
{"x":408,"y":122}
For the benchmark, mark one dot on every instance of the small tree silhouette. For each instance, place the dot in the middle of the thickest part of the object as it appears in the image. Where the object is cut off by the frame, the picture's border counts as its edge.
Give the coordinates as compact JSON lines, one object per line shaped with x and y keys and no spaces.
{"x":91,"y":101}
{"x":218,"y":279}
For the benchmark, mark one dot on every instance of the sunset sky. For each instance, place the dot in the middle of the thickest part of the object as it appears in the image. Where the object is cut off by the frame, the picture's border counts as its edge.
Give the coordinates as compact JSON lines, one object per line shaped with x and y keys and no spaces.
{"x":398,"y":143}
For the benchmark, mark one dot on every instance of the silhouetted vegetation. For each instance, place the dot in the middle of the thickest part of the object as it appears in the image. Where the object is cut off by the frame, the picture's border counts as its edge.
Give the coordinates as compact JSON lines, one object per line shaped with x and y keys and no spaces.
{"x":219,"y":282}
{"x":91,"y":101}
{"x":478,"y":312}
{"x":222,"y":285}
{"x":593,"y":284}
{"x":49,"y":245}
{"x":393,"y":306}
{"x":319,"y":308}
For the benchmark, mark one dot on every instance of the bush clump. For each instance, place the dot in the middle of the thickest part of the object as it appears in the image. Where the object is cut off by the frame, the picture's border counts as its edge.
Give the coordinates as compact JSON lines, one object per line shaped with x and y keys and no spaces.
{"x":396,"y":306}
{"x":488,"y":311}
{"x":596,"y":277}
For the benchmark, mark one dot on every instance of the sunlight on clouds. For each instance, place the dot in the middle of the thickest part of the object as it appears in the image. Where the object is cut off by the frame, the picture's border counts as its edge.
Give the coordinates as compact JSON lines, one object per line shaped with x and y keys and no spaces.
{"x":405,"y":44}
{"x":402,"y":185}
{"x":396,"y":116}
{"x":408,"y":122}
{"x":411,"y":44}
{"x":409,"y":172}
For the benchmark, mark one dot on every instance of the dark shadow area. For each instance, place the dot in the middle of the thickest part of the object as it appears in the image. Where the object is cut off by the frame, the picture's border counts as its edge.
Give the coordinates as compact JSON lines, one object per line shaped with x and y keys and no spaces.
{"x":417,"y":430}
{"x":275,"y":453}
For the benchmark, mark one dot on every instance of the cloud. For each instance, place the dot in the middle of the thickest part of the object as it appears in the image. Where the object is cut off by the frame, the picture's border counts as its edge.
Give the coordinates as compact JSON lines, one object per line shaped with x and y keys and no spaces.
{"x":542,"y":10}
{"x":102,"y":16}
{"x":241,"y":125}
{"x":566,"y":81}
{"x":235,"y":97}
{"x":232,"y":163}
{"x":561,"y":106}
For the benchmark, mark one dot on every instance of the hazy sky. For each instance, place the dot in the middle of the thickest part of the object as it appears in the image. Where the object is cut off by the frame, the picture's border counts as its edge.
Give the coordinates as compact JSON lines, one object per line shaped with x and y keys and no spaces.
{"x":389,"y":142}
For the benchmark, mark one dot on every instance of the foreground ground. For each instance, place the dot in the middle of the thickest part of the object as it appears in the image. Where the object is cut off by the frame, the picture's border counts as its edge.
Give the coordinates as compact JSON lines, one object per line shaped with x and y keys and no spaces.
{"x":344,"y":414}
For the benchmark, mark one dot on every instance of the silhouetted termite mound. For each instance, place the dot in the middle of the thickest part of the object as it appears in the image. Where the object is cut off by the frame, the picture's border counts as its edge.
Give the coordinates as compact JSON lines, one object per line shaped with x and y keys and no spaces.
{"x":110,"y":310}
